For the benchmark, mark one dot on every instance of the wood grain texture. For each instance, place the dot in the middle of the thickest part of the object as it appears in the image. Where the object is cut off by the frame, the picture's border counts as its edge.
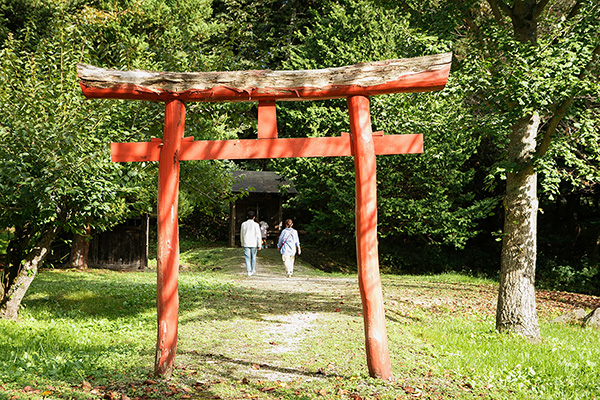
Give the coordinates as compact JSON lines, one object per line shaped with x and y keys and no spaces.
{"x":417,"y":74}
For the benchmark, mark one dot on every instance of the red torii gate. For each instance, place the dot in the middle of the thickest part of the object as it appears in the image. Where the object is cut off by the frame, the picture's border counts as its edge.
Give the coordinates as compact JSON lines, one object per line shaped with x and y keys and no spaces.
{"x":355,"y":82}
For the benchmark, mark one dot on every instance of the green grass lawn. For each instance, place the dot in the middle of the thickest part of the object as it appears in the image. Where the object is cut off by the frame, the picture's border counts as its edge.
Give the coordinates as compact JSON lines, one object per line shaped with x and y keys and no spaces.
{"x":92,"y":335}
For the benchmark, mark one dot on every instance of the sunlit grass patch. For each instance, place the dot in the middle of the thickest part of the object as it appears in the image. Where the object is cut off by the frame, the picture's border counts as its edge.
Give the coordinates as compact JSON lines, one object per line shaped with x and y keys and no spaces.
{"x":469,"y":349}
{"x":64,"y":352}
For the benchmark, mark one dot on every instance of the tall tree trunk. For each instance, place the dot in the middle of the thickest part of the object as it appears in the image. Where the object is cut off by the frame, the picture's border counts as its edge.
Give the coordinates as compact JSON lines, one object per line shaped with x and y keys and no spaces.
{"x":25,"y":272}
{"x":516,"y":310}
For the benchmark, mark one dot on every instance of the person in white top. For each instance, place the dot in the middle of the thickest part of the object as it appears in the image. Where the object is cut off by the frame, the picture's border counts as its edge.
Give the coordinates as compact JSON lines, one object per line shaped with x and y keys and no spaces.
{"x":251,"y":242}
{"x":288,"y":245}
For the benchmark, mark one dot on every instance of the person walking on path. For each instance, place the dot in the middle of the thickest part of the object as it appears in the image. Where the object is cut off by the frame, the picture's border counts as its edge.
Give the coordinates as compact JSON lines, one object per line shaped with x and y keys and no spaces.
{"x":287,"y":244}
{"x":251,"y":242}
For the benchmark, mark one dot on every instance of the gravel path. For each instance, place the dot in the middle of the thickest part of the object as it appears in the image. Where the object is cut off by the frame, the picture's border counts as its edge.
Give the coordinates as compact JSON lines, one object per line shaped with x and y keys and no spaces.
{"x":270,"y":274}
{"x":289,"y":331}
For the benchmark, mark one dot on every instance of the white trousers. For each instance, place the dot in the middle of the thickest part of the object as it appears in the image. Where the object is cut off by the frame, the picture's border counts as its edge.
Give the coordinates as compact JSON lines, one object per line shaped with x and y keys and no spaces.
{"x":288,"y":261}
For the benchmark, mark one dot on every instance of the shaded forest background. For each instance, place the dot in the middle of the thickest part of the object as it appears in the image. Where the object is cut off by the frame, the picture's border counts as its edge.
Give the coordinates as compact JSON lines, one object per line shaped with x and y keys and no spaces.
{"x":438,"y":211}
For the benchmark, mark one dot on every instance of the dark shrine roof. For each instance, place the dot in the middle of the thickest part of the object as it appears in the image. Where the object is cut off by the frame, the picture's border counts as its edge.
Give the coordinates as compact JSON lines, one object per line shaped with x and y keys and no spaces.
{"x":261,"y":181}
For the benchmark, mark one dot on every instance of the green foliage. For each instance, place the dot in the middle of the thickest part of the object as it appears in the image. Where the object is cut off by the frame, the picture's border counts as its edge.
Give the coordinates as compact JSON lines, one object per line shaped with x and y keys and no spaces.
{"x":152,"y":34}
{"x":5,"y":236}
{"x":210,"y":197}
{"x":511,"y":78}
{"x":504,"y":78}
{"x":259,"y":34}
{"x":425,"y":199}
{"x":573,"y":162}
{"x":56,"y":167}
{"x":579,"y":278}
{"x":349,"y":32}
{"x":502,"y":74}
{"x":430,"y":196}
{"x":326,"y":199}
{"x":55,"y":144}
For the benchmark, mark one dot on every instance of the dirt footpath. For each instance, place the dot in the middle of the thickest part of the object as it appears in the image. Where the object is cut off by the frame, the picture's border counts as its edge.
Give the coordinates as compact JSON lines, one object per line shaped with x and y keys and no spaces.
{"x":286,"y":333}
{"x":270,"y":274}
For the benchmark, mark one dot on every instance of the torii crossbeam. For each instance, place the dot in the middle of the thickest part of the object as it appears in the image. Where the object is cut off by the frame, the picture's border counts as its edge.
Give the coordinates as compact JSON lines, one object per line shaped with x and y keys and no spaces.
{"x":355,"y":83}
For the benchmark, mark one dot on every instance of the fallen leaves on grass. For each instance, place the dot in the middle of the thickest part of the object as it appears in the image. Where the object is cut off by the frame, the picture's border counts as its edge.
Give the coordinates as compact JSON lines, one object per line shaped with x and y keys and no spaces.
{"x":552,"y":301}
{"x":29,"y":389}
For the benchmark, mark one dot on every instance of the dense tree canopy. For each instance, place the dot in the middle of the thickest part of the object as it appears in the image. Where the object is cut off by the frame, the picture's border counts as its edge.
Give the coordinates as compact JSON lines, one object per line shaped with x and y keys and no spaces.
{"x":57,"y":175}
{"x":528,"y":68}
{"x":423,"y":199}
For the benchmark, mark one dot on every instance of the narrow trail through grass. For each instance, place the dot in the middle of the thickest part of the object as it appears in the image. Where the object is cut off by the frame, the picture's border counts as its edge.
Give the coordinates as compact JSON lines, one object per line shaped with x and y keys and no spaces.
{"x":288,"y":312}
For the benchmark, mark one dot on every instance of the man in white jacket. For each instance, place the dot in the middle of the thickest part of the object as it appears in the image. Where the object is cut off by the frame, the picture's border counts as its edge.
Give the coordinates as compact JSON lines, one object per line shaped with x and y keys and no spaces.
{"x":251,"y":242}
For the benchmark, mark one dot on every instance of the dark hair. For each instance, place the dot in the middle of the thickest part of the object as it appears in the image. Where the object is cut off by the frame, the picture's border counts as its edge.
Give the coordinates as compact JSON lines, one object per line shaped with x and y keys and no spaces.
{"x":250,"y":214}
{"x":288,"y":223}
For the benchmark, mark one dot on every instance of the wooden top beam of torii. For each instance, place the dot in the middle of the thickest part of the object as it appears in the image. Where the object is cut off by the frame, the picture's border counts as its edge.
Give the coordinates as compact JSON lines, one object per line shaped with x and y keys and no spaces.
{"x":355,"y":83}
{"x":419,"y":74}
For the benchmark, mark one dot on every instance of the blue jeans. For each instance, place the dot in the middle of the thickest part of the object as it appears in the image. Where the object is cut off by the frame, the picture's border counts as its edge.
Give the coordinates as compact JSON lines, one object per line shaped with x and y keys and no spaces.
{"x":250,"y":257}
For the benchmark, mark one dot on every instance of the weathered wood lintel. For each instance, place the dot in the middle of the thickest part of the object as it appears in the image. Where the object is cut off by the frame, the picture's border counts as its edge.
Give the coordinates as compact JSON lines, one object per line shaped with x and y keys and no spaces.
{"x":419,"y":74}
{"x":338,"y":146}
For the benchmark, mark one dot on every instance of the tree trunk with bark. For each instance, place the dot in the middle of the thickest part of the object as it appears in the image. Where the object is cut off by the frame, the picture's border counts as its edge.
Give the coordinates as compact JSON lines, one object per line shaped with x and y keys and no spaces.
{"x":80,"y":249}
{"x":516,"y":311}
{"x":21,"y":274}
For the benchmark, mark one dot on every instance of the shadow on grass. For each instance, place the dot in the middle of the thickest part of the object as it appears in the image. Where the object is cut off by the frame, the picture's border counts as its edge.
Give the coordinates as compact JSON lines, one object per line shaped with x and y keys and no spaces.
{"x":89,"y":295}
{"x":93,"y":295}
{"x":221,"y":359}
{"x":255,"y":304}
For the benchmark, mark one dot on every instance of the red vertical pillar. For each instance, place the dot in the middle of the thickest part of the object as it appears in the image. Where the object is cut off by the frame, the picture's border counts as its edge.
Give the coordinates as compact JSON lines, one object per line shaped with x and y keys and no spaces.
{"x":367,"y":254}
{"x":167,"y":301}
{"x":267,"y":119}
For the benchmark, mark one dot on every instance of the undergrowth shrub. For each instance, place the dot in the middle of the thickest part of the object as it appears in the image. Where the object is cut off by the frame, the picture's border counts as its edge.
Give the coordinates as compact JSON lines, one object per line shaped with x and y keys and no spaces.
{"x":579,"y":278}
